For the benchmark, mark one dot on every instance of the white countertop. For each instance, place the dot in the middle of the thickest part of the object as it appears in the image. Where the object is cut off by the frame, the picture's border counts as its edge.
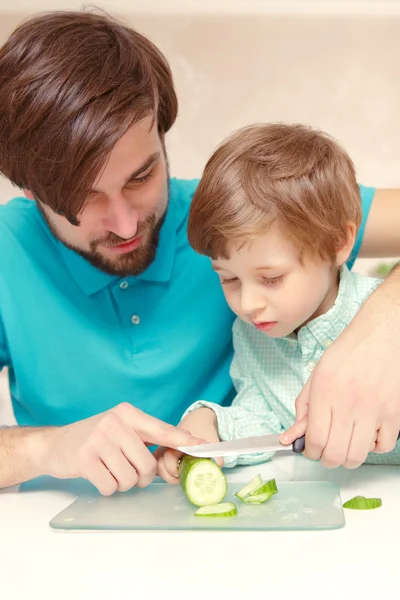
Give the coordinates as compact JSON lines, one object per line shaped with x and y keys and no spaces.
{"x":360,"y":559}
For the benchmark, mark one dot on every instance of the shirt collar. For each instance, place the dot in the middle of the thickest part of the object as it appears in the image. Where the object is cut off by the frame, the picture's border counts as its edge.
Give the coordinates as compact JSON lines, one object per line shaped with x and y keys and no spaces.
{"x":92,"y":280}
{"x":326,"y":328}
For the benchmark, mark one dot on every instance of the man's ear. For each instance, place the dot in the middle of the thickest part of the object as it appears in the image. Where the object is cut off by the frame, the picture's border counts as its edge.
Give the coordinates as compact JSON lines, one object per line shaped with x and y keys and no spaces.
{"x":29,"y":194}
{"x":343,"y":253}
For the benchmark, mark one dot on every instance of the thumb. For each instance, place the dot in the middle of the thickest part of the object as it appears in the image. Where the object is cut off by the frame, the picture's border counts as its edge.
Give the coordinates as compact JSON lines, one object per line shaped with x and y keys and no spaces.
{"x":295,"y":431}
{"x":302,"y":402}
{"x":220,"y":461}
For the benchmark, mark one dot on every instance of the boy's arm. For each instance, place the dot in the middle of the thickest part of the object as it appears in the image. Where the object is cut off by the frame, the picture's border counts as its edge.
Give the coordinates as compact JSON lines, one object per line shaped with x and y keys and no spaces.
{"x":249,"y":414}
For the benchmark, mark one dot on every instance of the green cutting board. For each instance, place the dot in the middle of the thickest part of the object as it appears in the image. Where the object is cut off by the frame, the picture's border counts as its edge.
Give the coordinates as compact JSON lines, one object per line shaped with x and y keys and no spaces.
{"x":297,"y":505}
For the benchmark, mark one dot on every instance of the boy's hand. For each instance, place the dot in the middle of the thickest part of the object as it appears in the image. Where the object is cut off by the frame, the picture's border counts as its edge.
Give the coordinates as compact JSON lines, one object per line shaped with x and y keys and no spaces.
{"x":201,"y":423}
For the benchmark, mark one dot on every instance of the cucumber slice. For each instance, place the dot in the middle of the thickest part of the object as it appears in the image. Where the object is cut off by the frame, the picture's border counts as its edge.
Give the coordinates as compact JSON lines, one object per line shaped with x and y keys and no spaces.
{"x":202,"y":480}
{"x":225,"y":509}
{"x":267,"y":487}
{"x":252,"y":485}
{"x":363,"y":503}
{"x":258,"y":498}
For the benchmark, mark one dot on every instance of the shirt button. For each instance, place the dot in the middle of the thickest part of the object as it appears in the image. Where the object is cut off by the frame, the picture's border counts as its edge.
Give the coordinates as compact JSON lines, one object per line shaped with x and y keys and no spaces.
{"x":328,"y":343}
{"x":135,"y":320}
{"x":311,"y":365}
{"x":123,"y":285}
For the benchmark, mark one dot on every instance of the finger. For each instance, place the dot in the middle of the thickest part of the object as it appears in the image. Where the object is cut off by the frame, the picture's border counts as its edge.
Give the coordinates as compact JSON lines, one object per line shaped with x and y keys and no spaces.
{"x":118,"y":465}
{"x":363,"y":436}
{"x":153,"y":430}
{"x":338,"y":443}
{"x":386,"y":438}
{"x":136,"y":453}
{"x":297,"y":430}
{"x":98,"y":474}
{"x":220,"y":461}
{"x":159,"y":452}
{"x":162,"y":472}
{"x":171,"y":461}
{"x":317,"y":434}
{"x":302,"y":402}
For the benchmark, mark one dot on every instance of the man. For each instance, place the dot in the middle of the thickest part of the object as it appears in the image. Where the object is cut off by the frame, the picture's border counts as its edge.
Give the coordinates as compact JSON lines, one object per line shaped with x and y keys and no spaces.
{"x":106,"y":313}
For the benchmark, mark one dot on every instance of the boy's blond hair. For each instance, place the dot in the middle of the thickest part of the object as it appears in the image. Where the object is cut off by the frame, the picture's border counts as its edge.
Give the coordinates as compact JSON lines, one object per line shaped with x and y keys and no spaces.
{"x":294,"y":175}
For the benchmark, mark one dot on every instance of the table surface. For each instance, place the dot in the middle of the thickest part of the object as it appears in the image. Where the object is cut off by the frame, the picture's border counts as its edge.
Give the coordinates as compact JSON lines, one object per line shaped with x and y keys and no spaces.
{"x":360,"y":559}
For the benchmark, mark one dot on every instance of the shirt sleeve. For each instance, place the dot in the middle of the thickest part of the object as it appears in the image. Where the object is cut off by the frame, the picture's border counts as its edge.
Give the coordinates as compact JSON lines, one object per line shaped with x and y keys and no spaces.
{"x":249,"y":414}
{"x":4,"y":359}
{"x":367,"y":195}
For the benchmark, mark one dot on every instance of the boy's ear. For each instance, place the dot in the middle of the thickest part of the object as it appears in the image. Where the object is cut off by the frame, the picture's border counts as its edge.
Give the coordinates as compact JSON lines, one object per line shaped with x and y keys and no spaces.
{"x":29,"y":195}
{"x":343,"y":253}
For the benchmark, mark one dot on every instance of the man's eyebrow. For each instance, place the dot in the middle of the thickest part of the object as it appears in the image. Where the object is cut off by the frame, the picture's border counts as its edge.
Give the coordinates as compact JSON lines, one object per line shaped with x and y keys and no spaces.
{"x":151,"y":160}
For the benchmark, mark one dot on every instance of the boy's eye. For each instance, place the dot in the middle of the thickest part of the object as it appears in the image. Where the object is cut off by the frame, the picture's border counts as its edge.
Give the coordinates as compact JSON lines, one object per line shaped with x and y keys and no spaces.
{"x":227,"y":280}
{"x":272,"y":280}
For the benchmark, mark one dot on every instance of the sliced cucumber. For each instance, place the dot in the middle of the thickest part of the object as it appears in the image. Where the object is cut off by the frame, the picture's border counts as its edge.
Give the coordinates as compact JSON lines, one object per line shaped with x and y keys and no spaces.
{"x":252,"y":485}
{"x":225,"y":509}
{"x":267,"y":487}
{"x":258,"y":498}
{"x":363,"y":503}
{"x":202,"y":481}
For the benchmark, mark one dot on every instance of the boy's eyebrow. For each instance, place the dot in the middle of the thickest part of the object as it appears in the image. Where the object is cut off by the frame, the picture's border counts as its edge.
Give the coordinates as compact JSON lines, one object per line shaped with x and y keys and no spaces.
{"x":150,"y":160}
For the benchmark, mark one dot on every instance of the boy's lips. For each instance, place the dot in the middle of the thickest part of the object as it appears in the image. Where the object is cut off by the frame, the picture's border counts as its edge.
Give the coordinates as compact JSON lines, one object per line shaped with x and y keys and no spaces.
{"x":265,"y":326}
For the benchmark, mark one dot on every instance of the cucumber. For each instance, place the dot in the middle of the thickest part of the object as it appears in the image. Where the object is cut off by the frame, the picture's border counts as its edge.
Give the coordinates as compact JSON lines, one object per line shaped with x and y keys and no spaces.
{"x":252,"y":485}
{"x":202,"y":481}
{"x":258,"y":498}
{"x":225,"y":509}
{"x":363,"y":503}
{"x":267,"y":487}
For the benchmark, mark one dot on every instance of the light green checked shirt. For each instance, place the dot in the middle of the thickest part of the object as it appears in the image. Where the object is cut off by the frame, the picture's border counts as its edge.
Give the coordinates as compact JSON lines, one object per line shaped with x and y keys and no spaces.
{"x":269,"y":373}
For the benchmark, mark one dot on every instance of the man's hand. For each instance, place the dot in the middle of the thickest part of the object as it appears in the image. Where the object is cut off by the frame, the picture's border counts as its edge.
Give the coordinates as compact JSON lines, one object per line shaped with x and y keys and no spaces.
{"x":352,"y":400}
{"x":109,"y":449}
{"x":201,"y":423}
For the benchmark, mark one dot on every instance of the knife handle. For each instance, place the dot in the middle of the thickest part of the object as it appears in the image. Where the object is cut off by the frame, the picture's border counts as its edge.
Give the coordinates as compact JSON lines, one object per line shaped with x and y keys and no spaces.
{"x":299,"y":444}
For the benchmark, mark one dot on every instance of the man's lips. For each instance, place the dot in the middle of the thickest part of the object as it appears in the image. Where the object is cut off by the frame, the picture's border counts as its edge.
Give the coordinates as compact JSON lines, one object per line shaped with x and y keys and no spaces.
{"x":126,"y":246}
{"x":265,"y":326}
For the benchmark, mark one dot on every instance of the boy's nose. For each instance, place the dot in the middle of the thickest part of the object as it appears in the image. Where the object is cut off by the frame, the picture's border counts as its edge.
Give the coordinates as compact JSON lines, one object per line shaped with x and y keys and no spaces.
{"x":251,"y":303}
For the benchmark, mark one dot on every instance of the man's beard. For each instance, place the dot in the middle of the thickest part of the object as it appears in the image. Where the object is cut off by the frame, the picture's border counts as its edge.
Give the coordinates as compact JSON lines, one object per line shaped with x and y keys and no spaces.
{"x":123,"y":265}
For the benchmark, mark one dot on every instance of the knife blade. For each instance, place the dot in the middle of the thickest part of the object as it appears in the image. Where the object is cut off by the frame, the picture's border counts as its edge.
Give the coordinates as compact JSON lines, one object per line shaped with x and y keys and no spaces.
{"x":250,"y":445}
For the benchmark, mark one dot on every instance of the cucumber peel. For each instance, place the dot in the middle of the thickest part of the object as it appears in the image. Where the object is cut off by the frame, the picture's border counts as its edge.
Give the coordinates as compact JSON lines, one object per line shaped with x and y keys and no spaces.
{"x":257,"y":491}
{"x":252,"y":485}
{"x":267,"y":487}
{"x":363,"y":503}
{"x":224,"y":509}
{"x":202,"y":481}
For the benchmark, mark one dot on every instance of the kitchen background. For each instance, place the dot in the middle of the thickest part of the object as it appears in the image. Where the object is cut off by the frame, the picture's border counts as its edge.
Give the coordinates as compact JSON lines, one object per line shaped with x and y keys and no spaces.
{"x":332,"y":64}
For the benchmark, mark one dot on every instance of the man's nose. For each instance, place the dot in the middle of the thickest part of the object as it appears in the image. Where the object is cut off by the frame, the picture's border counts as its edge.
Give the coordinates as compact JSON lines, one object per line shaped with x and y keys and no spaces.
{"x":122,"y":218}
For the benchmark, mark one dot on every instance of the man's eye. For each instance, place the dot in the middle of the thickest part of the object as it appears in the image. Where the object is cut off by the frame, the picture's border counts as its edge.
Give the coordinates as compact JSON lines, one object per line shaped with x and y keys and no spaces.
{"x":142,"y":179}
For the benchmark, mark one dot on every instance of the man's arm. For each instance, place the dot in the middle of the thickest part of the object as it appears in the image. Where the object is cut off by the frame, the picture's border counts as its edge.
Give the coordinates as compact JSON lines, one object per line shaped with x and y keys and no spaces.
{"x":352,"y":398}
{"x":109,"y":449}
{"x":20,"y":459}
{"x":382,"y":231}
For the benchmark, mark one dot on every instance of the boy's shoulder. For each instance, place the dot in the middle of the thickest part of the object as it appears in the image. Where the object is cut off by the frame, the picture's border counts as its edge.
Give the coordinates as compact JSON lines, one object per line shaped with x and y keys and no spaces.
{"x":362,"y":286}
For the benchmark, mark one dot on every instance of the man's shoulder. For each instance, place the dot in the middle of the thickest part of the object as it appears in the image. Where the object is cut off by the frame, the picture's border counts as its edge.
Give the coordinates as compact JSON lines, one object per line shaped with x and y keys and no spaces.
{"x":181,"y":193}
{"x":17,"y":212}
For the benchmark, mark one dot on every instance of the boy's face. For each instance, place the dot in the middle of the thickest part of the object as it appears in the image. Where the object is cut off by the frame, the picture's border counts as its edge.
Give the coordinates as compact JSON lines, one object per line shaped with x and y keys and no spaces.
{"x":120,"y":222}
{"x":265,"y":284}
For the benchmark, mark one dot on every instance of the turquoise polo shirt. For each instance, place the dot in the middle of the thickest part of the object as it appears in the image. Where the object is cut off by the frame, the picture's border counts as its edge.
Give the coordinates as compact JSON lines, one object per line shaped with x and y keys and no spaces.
{"x":78,"y":341}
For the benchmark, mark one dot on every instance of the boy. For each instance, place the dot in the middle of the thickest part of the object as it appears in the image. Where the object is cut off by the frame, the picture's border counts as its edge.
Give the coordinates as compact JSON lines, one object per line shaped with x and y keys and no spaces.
{"x":277,"y":211}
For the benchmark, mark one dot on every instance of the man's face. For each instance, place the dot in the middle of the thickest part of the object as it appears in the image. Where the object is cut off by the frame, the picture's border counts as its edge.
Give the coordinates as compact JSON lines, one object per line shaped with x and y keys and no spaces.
{"x":120,"y":223}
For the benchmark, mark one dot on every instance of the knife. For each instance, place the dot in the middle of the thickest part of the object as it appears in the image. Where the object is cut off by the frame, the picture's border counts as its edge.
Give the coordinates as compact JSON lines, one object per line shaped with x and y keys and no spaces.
{"x":250,"y":445}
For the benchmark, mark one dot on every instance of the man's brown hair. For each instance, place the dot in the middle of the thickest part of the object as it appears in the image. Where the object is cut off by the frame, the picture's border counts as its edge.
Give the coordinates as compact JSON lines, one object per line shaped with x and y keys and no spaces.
{"x":292,"y":174}
{"x":71,"y":84}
